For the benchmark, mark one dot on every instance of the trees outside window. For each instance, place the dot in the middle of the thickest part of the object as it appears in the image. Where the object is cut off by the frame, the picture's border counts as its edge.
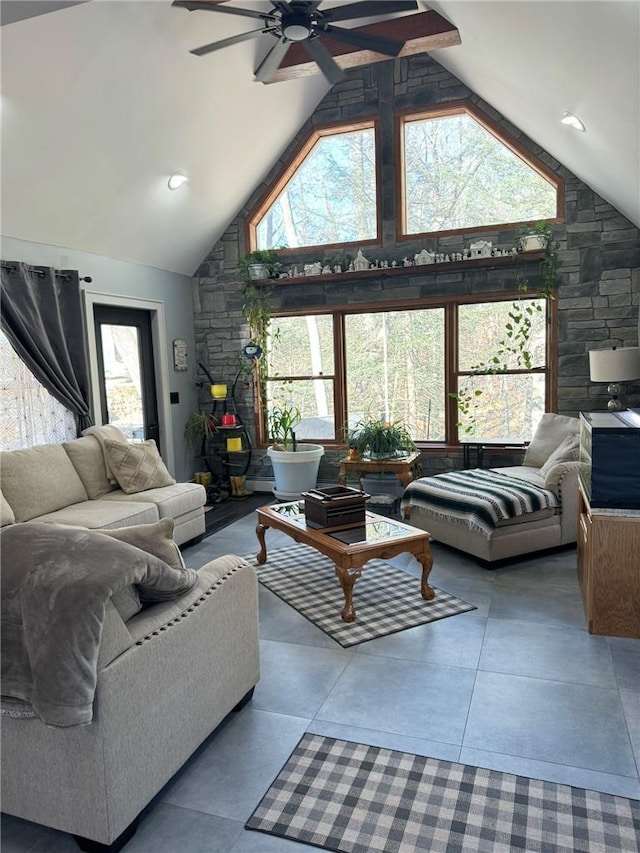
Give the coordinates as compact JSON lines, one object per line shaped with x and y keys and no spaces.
{"x":407,"y":364}
{"x":328,"y":195}
{"x":459,"y":174}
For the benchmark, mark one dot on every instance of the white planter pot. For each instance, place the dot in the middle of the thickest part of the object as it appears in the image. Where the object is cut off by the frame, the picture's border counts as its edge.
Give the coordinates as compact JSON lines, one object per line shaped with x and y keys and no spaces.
{"x":258,"y":271}
{"x":295,"y":472}
{"x":532,"y":243}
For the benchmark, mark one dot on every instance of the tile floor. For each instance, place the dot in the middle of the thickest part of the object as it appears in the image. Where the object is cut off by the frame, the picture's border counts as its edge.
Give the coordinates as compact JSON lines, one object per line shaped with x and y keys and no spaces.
{"x":516,"y":685}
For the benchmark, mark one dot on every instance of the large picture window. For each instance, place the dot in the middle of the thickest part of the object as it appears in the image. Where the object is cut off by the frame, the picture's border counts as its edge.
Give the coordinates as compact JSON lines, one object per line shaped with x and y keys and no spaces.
{"x":460,"y":172}
{"x":451,"y":372}
{"x":327,"y":195}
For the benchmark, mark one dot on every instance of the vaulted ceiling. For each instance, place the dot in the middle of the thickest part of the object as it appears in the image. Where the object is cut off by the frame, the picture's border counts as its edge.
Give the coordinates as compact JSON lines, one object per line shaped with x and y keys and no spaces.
{"x":102,"y":101}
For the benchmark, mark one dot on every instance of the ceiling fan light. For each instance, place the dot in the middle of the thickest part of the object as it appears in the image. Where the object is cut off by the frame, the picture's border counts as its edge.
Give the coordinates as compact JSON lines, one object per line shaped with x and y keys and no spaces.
{"x":573,"y":121}
{"x":296,"y":26}
{"x":177,"y":180}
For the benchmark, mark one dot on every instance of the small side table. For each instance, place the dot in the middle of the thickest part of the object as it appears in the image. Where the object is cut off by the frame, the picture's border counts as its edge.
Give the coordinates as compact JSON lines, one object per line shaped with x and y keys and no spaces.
{"x":405,"y":468}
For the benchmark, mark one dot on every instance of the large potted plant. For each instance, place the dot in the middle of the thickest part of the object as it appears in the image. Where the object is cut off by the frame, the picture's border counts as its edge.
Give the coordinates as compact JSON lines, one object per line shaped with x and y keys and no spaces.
{"x":295,"y":465}
{"x":379,"y":439}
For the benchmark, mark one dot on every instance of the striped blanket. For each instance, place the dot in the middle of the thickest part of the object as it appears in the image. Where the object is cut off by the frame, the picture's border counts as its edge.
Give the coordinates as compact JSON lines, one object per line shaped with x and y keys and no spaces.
{"x":478,"y":499}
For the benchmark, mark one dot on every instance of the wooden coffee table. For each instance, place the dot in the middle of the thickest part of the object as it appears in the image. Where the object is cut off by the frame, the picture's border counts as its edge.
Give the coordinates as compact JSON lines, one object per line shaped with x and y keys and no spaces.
{"x":349,"y":547}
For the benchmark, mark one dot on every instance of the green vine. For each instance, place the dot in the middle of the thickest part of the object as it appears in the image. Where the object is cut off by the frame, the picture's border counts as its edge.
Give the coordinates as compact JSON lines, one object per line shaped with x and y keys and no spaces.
{"x":516,"y":340}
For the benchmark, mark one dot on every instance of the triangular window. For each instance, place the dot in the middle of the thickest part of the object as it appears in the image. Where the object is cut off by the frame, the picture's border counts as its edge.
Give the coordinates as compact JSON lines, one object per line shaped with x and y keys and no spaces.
{"x":461,"y":172}
{"x":327,"y":195}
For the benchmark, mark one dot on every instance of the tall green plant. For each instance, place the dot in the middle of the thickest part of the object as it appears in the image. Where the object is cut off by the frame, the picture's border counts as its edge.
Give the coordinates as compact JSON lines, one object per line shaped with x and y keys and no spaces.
{"x":282,"y":420}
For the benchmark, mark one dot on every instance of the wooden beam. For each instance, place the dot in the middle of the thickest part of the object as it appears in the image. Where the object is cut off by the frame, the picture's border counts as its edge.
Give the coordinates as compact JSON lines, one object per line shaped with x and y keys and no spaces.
{"x":421,"y":33}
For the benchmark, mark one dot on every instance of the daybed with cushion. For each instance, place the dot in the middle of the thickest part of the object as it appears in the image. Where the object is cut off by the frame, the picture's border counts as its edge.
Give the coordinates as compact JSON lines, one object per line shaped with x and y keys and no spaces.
{"x":117,"y":662}
{"x":506,"y":512}
{"x":98,"y":481}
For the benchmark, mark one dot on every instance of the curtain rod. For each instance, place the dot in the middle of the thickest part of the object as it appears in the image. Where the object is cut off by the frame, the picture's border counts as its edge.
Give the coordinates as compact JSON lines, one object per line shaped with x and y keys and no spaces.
{"x":40,"y":273}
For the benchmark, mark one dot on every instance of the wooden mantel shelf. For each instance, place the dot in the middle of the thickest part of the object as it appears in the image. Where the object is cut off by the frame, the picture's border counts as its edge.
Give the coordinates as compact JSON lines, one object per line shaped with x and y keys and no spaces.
{"x":395,"y":272}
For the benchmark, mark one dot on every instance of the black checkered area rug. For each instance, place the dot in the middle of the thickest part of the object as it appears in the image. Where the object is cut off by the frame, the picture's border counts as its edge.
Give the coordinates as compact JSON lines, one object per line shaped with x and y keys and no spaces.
{"x":353,"y":798}
{"x":386,"y":599}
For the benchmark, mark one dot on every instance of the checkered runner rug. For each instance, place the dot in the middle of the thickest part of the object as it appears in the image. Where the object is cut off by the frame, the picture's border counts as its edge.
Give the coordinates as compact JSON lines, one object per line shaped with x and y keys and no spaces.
{"x":352,"y":798}
{"x":386,"y":599}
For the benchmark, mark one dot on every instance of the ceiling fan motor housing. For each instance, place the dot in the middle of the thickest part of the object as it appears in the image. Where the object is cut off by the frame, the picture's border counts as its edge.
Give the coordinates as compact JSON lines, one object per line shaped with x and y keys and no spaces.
{"x":296,"y":26}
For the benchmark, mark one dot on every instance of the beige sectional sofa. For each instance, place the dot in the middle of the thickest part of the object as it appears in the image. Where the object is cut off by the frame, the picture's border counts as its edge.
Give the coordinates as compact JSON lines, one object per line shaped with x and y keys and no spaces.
{"x":165,"y":679}
{"x":68,"y":484}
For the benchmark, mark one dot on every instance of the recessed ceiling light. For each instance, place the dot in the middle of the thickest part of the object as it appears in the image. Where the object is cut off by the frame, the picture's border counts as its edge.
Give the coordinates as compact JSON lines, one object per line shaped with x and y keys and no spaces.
{"x":177,"y":180}
{"x":573,"y":121}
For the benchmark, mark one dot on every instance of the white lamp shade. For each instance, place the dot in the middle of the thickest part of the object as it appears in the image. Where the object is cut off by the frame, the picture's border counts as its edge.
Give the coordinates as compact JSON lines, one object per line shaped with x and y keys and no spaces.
{"x":614,"y":365}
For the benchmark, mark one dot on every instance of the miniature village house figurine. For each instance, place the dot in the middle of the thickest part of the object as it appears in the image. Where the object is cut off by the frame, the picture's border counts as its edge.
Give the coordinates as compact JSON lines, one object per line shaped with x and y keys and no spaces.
{"x":360,"y":262}
{"x":481,"y":249}
{"x":423,"y":257}
{"x":313,"y":269}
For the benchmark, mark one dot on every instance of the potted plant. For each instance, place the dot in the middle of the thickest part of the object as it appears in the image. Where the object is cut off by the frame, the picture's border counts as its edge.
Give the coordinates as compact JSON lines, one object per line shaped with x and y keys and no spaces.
{"x":379,"y":439}
{"x":199,"y":427}
{"x":534,"y":238}
{"x":261,"y":263}
{"x":295,"y":465}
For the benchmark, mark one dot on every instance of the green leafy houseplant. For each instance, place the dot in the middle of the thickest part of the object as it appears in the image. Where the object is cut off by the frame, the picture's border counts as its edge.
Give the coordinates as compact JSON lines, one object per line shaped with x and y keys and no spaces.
{"x":199,"y":427}
{"x":379,"y":439}
{"x":261,"y":257}
{"x":282,"y":421}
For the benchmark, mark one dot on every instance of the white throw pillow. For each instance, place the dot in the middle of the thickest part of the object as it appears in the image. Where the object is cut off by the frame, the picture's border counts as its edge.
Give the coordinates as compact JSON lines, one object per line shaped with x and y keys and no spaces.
{"x":550,"y":433}
{"x":137,"y":467}
{"x":567,"y":451}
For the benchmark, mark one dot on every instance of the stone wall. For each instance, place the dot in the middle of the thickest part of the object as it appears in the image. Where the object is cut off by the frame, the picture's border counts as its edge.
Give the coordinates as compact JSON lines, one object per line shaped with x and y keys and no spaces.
{"x":598,"y":296}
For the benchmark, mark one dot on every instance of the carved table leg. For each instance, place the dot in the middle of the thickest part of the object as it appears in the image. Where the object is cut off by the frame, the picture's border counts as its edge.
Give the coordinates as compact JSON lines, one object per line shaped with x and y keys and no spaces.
{"x":347,"y":578}
{"x":426,"y":561}
{"x":260,"y":531}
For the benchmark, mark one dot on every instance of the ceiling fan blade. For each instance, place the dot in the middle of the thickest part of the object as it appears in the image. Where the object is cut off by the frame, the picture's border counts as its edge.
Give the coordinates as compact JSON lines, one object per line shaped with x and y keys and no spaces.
{"x":193,"y":5}
{"x":216,"y":45}
{"x":365,"y":41}
{"x":324,"y":60}
{"x":369,"y":8}
{"x":270,"y":64}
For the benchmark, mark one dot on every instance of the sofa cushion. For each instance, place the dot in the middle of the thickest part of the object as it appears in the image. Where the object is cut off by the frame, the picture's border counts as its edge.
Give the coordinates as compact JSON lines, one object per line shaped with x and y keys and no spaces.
{"x":39,"y":480}
{"x":6,"y":513}
{"x":156,"y":539}
{"x":137,"y":466}
{"x":88,"y":460}
{"x":171,"y":501}
{"x":97,"y":515}
{"x":550,"y":432}
{"x":567,"y":451}
{"x":555,"y":474}
{"x":102,"y":433}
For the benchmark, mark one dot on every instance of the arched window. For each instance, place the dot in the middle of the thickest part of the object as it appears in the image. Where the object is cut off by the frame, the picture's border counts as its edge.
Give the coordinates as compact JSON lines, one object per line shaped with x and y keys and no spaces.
{"x":461,"y":172}
{"x":328,"y":193}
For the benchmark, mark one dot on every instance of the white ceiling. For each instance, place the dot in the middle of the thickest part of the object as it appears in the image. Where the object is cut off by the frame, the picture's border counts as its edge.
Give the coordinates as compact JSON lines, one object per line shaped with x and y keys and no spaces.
{"x":102,"y":101}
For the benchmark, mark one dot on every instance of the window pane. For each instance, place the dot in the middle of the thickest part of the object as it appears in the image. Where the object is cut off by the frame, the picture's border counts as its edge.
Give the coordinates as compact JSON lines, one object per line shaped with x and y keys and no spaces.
{"x":29,"y":415}
{"x":484,"y":331}
{"x":458,"y":175}
{"x":331,"y":198}
{"x":123,"y":379}
{"x":301,"y":346}
{"x":508,"y":408}
{"x":314,"y":399}
{"x":395,"y":369}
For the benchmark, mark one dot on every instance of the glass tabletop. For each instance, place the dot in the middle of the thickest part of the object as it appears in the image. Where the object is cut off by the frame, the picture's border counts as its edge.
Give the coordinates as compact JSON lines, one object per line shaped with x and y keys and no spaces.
{"x":375,"y":528}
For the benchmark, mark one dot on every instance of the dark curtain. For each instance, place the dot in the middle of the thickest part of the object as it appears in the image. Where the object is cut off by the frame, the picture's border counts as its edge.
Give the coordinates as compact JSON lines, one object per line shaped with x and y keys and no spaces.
{"x":41,"y":315}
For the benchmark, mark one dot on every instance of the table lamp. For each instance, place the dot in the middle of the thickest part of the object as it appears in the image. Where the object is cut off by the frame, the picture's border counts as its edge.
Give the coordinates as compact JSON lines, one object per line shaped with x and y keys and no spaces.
{"x":614,"y":366}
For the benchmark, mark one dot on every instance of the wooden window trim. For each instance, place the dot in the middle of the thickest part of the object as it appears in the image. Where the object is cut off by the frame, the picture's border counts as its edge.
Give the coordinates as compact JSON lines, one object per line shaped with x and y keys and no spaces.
{"x":450,"y":305}
{"x":465,"y":107}
{"x":260,"y":208}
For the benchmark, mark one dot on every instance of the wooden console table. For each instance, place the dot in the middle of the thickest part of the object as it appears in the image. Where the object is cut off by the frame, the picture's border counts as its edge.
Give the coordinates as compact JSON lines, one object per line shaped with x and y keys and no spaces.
{"x":405,"y":468}
{"x":608,"y":568}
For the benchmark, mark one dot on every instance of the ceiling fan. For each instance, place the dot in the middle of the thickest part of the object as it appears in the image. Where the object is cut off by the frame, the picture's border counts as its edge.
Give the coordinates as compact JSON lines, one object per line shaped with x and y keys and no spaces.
{"x":301,"y":21}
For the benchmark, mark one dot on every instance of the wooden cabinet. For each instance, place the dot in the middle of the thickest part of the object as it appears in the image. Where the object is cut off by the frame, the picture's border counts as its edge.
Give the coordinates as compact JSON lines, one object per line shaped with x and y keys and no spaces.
{"x":609,"y":568}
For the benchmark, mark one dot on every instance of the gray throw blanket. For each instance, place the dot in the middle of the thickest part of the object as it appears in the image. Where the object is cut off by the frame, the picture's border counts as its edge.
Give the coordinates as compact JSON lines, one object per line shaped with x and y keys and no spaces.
{"x":56,"y":582}
{"x":478,"y":499}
